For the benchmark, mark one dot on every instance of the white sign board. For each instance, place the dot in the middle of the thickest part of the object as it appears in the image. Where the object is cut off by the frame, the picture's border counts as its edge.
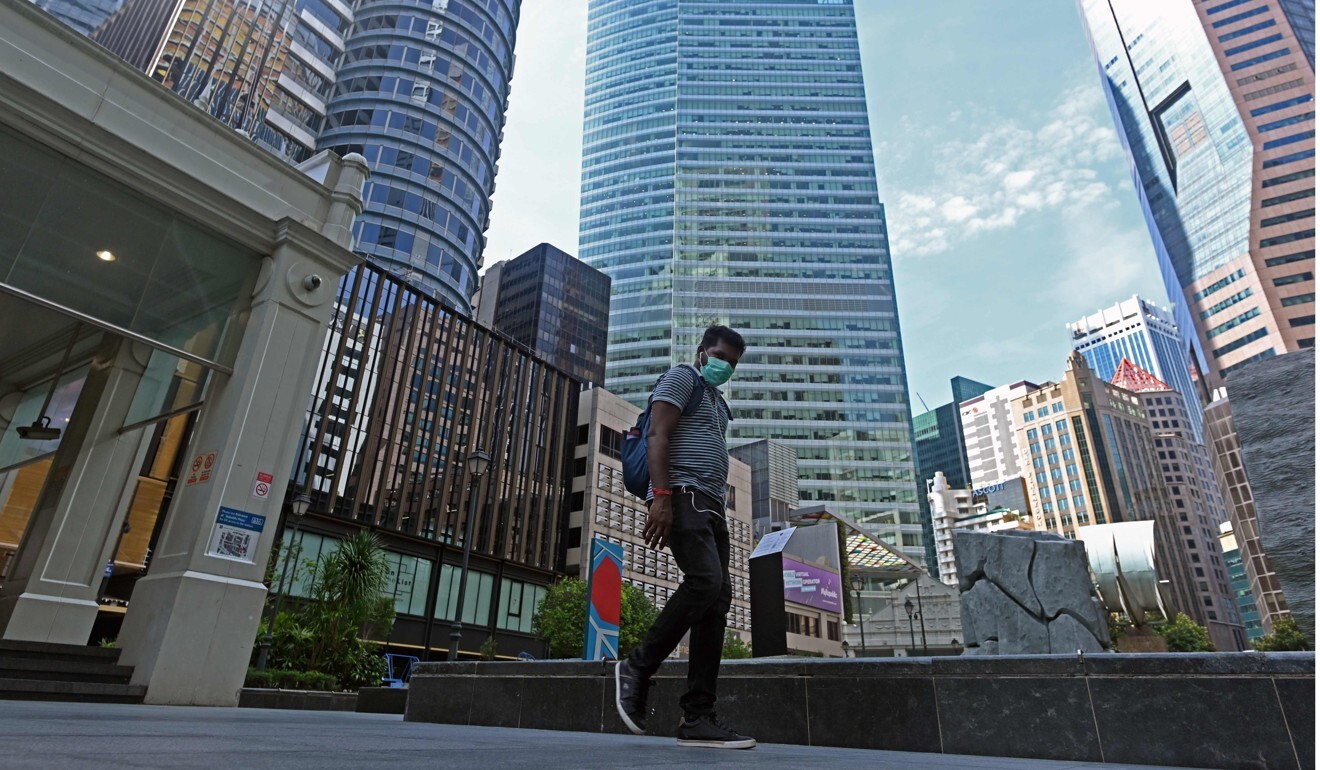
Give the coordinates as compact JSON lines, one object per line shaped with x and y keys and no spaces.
{"x":235,"y":535}
{"x":773,"y":542}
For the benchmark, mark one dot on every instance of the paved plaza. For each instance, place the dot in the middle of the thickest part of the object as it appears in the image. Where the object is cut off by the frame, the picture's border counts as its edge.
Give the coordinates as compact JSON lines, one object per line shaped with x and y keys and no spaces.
{"x":71,"y":736}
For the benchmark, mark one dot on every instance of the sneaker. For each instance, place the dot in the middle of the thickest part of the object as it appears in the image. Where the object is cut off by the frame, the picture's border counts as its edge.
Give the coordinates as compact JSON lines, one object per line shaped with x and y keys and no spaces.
{"x":630,"y":690}
{"x":709,"y":732}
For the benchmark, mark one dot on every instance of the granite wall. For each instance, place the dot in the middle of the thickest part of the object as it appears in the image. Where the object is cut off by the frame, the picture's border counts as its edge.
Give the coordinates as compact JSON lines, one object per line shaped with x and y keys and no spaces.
{"x":1273,"y":403}
{"x":1217,"y":710}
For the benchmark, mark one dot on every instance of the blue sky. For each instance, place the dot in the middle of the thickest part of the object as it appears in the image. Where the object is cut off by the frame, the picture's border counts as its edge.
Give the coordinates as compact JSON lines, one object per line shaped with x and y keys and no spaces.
{"x":1010,"y":208}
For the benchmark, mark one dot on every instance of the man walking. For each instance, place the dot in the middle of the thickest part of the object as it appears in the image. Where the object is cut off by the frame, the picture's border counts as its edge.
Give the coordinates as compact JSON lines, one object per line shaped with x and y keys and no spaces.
{"x":688,"y":460}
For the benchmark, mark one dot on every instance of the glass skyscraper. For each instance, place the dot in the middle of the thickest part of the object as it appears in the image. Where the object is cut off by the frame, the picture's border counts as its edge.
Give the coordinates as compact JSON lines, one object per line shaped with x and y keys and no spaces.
{"x":1214,"y":102}
{"x":1146,"y":335}
{"x":728,"y":177}
{"x":421,"y":92}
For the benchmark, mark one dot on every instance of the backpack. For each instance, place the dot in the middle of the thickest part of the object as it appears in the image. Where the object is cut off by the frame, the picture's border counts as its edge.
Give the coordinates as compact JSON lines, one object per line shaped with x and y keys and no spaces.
{"x":636,"y":472}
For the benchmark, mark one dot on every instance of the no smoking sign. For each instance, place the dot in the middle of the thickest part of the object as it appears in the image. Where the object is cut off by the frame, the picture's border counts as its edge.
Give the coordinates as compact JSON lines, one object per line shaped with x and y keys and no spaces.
{"x":261,"y":490}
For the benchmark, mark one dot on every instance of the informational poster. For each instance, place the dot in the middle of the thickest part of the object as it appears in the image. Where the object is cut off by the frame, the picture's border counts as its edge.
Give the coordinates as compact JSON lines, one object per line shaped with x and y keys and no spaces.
{"x":235,"y":535}
{"x":773,"y":542}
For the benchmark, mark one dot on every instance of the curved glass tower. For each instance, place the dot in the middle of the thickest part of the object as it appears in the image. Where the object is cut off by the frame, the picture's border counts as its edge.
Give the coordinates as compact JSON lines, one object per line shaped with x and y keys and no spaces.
{"x":728,"y":177}
{"x":421,"y":92}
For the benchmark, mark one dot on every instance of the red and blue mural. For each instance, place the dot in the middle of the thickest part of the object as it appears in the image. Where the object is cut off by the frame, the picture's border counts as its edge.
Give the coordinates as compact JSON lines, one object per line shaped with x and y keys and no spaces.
{"x":604,"y":596}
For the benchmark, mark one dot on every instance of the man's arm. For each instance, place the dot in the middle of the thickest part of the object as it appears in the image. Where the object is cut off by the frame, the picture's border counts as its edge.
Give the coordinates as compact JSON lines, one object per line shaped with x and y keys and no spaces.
{"x":660,"y":516}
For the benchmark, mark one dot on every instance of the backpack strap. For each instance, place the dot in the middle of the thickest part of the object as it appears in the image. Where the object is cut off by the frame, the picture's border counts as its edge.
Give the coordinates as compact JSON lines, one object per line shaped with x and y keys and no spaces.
{"x":699,"y":387}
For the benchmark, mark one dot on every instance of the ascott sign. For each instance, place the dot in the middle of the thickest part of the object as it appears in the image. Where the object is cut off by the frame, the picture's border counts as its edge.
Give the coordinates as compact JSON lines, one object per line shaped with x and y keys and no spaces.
{"x":812,"y":586}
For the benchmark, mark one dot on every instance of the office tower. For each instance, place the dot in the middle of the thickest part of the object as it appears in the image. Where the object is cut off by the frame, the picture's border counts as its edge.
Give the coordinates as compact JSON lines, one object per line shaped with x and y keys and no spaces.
{"x":552,"y":303}
{"x":989,"y":428}
{"x":1241,"y":584}
{"x":1274,"y":415}
{"x":601,"y":507}
{"x":421,"y":92}
{"x":953,"y":509}
{"x":1146,"y":335}
{"x":406,"y":390}
{"x":1189,"y":478}
{"x":83,"y":15}
{"x":250,"y":65}
{"x":1091,"y":459}
{"x":774,"y":483}
{"x":1226,"y":448}
{"x":1214,"y":103}
{"x":728,"y":177}
{"x":937,"y":437}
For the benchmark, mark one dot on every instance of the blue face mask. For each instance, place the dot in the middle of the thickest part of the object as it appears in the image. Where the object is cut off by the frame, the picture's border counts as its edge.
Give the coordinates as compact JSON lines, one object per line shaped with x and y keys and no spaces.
{"x":716,"y":371}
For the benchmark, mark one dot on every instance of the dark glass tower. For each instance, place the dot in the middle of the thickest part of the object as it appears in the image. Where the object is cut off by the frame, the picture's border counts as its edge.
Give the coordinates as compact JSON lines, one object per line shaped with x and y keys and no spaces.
{"x":554,"y":304}
{"x":728,"y":176}
{"x":421,"y":91}
{"x":940,"y":446}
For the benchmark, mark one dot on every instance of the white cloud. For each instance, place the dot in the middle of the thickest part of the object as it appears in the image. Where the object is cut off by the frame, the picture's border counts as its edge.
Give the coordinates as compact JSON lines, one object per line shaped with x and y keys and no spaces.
{"x":957,"y":209}
{"x":1007,"y":174}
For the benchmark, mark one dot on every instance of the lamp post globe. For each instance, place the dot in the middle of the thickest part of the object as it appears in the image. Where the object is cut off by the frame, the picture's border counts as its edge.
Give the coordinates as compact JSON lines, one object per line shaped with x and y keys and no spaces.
{"x":478,"y":462}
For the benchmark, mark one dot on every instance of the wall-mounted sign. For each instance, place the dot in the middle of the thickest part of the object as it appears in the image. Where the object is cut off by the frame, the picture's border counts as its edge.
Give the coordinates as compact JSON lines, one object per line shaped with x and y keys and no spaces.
{"x":235,"y":535}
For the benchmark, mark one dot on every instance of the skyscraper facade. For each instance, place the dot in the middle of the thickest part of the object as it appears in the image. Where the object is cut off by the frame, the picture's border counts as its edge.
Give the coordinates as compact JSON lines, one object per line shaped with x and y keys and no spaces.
{"x":1146,"y":335}
{"x":421,"y":92}
{"x":1214,"y":103}
{"x":774,"y":483}
{"x":1092,"y":459}
{"x":262,"y":68}
{"x":989,"y":426}
{"x":1189,"y":477}
{"x":1226,"y":448}
{"x":1237,"y":576}
{"x":552,"y":303}
{"x":937,"y":438}
{"x":728,"y":177}
{"x":419,"y":88}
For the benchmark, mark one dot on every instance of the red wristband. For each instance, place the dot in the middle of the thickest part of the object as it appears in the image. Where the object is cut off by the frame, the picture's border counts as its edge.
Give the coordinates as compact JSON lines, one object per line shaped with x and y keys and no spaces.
{"x":657,"y":491}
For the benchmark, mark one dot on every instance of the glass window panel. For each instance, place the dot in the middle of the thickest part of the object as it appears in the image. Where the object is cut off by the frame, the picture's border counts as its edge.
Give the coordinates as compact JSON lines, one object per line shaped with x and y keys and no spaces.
{"x":83,"y":241}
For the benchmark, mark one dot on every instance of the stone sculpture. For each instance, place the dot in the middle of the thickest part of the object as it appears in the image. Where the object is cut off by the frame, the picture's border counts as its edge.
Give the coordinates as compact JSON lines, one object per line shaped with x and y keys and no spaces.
{"x":1027,"y":593}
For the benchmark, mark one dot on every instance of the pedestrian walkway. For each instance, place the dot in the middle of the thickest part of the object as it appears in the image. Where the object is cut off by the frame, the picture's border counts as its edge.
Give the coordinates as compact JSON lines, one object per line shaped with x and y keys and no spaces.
{"x":72,"y":736}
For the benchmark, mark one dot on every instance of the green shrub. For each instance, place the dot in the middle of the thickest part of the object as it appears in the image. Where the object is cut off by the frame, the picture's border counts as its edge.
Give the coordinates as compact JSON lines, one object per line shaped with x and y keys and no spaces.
{"x":734,"y":647}
{"x":1286,"y":637}
{"x":561,"y":618}
{"x":324,"y":633}
{"x":1184,"y":635}
{"x":281,"y":679}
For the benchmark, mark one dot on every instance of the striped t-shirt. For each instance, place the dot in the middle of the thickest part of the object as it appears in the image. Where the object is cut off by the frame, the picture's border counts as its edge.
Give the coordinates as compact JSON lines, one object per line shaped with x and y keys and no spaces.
{"x":698,"y":452}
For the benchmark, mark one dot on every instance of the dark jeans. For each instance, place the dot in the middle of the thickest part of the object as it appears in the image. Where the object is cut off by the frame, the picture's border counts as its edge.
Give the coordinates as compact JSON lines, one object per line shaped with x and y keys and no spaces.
{"x":699,"y":540}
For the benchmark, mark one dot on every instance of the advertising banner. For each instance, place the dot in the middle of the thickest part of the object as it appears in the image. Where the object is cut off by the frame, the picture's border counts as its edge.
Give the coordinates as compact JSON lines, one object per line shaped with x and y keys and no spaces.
{"x":812,"y":586}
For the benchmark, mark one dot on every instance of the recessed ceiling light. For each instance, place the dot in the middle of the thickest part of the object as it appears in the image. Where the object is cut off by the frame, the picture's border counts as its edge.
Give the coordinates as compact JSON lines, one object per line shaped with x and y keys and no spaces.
{"x":105,"y":256}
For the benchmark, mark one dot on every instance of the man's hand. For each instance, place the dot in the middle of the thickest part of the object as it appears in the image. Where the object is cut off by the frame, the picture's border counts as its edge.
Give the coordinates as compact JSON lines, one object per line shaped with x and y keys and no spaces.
{"x":659,"y":519}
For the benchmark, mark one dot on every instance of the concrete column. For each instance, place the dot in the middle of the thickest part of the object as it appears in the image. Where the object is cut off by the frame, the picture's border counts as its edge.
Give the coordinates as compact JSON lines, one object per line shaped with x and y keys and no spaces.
{"x":192,"y":619}
{"x":50,"y":593}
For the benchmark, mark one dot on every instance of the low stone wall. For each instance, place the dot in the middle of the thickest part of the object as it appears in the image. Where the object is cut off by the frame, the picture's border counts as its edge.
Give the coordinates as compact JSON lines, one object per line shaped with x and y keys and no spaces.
{"x":304,"y":700}
{"x":1222,"y":710}
{"x":381,"y":700}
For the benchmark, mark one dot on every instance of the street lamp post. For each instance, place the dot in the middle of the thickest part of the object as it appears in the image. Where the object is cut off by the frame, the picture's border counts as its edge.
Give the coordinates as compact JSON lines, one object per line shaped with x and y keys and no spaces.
{"x":477,"y":463}
{"x":907,"y":605}
{"x":298,"y":507}
{"x":921,"y":616}
{"x":858,"y":583}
